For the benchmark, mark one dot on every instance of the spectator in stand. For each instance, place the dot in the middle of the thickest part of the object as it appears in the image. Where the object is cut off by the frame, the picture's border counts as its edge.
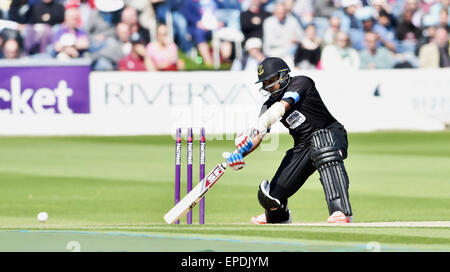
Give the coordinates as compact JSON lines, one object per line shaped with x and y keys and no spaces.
{"x":308,"y":51}
{"x":252,"y":21}
{"x":201,"y":20}
{"x":429,"y":23}
{"x":407,"y":33}
{"x":375,"y":56}
{"x":323,"y":11}
{"x":252,"y":58}
{"x":397,"y":7}
{"x":162,"y":52}
{"x":212,"y":17}
{"x":101,"y":22}
{"x":48,"y":12}
{"x":228,"y":12}
{"x":282,"y":33}
{"x":123,"y":37}
{"x":84,"y":6}
{"x":324,"y":8}
{"x":303,"y":10}
{"x":175,"y":7}
{"x":38,"y":20}
{"x":366,"y":17}
{"x":130,"y":17}
{"x":330,"y":32}
{"x":267,"y":5}
{"x":385,"y":30}
{"x":425,"y":5}
{"x":11,"y":49}
{"x":20,"y":12}
{"x":382,"y":6}
{"x":107,"y":58}
{"x":436,"y":53}
{"x":416,"y":13}
{"x":158,"y":8}
{"x":137,"y":60}
{"x":11,"y":31}
{"x":37,"y":39}
{"x":147,"y":9}
{"x":340,"y":55}
{"x":70,"y":41}
{"x":444,"y":20}
{"x":347,"y":15}
{"x":437,"y":7}
{"x":161,"y":7}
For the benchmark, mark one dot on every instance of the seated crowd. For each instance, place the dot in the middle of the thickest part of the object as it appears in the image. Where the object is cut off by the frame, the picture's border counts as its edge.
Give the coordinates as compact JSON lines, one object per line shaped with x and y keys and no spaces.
{"x":151,"y":35}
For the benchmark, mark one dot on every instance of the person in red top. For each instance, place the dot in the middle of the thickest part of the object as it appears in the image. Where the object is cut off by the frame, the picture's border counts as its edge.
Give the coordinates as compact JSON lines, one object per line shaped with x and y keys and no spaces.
{"x":163,"y":52}
{"x":137,"y":60}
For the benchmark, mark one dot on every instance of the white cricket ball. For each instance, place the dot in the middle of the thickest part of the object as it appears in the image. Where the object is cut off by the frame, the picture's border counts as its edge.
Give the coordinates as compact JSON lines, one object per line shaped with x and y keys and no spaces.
{"x":42,"y":216}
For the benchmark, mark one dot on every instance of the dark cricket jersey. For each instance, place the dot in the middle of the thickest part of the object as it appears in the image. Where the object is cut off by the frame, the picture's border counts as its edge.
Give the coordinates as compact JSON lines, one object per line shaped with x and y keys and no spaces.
{"x":307,"y":112}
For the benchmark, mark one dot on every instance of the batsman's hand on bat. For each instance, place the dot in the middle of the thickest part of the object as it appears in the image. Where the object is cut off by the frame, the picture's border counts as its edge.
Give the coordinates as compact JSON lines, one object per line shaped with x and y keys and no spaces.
{"x":243,"y":142}
{"x":235,"y":160}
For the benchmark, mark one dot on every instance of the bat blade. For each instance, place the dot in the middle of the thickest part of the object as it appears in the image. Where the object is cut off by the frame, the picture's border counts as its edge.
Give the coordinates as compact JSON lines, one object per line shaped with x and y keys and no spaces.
{"x":194,"y":196}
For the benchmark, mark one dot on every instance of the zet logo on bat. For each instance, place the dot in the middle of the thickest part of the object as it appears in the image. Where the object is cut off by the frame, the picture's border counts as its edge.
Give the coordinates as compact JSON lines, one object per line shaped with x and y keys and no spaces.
{"x":214,"y":176}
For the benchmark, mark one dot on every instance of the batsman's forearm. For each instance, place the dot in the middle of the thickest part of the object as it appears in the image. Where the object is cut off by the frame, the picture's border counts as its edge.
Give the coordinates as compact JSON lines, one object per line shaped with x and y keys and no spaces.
{"x":256,"y":140}
{"x":272,"y":115}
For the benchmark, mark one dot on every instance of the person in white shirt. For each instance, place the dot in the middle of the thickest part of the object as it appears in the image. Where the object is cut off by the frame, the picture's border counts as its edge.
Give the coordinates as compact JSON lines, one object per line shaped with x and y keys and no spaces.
{"x":340,"y":55}
{"x":282,"y":33}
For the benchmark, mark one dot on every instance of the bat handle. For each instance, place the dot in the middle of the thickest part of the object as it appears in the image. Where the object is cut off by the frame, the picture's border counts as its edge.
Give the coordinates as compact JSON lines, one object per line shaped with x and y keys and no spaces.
{"x":224,"y":164}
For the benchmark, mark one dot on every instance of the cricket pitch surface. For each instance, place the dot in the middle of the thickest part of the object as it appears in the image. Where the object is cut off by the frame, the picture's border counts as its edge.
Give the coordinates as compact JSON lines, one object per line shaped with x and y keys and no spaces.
{"x":405,"y":236}
{"x":105,"y":193}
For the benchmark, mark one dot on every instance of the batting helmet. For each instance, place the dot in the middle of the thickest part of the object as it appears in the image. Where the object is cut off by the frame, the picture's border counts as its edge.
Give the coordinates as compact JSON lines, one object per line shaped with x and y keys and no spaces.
{"x":271,"y":67}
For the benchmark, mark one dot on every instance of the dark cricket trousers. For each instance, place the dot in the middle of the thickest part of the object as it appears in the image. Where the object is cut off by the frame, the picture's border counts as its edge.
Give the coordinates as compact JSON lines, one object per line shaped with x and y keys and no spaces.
{"x":296,"y":167}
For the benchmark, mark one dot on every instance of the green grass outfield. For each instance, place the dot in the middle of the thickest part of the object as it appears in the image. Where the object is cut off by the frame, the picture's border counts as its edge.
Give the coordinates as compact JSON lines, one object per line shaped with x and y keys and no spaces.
{"x":110,"y":194}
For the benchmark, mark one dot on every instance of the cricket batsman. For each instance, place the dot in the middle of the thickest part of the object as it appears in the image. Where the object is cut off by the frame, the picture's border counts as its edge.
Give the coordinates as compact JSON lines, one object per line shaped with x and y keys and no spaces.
{"x":320,"y":143}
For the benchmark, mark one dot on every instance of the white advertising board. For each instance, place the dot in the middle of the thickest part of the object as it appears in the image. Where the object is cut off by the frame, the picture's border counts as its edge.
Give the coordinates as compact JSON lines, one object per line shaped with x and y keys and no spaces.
{"x":133,"y":103}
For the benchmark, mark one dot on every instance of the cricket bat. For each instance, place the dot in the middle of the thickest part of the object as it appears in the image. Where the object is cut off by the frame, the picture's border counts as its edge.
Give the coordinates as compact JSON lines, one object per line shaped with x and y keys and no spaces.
{"x":195,"y":195}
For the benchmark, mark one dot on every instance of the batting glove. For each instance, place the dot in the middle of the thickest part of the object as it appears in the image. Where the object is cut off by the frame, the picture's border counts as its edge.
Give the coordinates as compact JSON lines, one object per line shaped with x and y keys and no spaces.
{"x":243,"y":142}
{"x":235,"y":160}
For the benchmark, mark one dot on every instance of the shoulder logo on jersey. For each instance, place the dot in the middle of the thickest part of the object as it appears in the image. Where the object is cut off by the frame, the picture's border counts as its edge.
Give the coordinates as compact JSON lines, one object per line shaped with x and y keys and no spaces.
{"x":260,"y":70}
{"x":295,"y":119}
